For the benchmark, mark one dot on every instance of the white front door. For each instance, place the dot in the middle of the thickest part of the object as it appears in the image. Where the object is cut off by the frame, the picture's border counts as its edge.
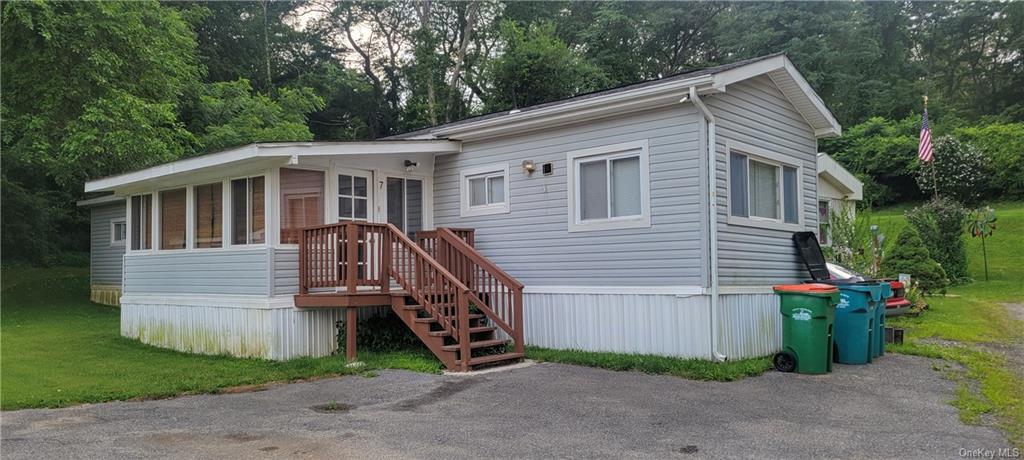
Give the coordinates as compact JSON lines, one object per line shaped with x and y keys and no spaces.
{"x":355,"y":195}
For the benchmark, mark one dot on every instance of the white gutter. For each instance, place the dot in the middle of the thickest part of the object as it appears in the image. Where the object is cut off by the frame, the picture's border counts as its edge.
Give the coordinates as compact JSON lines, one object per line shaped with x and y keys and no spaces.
{"x":712,"y":219}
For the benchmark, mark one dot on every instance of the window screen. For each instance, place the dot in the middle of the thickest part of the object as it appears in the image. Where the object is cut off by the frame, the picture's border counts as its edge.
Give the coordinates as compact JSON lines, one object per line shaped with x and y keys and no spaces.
{"x":738,"y":195}
{"x":302,"y":194}
{"x":209,"y":215}
{"x":172,"y":219}
{"x":790,"y":195}
{"x":764,"y":190}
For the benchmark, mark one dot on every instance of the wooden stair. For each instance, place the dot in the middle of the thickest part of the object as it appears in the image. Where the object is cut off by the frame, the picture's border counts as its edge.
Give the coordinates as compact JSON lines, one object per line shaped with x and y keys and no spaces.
{"x":486,"y":349}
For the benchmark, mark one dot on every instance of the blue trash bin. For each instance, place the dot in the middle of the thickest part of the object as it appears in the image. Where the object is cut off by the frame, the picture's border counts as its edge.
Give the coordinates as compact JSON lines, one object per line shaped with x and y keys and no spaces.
{"x":878,"y":341}
{"x":855,"y":322}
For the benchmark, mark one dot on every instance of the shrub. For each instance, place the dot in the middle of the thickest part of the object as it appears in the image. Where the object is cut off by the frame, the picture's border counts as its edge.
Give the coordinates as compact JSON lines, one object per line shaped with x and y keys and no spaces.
{"x":940,"y":224}
{"x":1003,"y":146}
{"x":380,"y":334}
{"x":960,"y":170}
{"x":910,"y":256}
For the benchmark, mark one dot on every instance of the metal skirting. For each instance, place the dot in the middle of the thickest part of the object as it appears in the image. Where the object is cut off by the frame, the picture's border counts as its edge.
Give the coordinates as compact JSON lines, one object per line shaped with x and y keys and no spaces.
{"x":270,"y":333}
{"x":669,"y":325}
{"x":750,"y":325}
{"x":666,"y":325}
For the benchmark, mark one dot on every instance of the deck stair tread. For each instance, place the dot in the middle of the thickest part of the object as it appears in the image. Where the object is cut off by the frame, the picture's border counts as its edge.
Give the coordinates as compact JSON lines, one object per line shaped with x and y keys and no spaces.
{"x":477,"y":344}
{"x":478,"y":360}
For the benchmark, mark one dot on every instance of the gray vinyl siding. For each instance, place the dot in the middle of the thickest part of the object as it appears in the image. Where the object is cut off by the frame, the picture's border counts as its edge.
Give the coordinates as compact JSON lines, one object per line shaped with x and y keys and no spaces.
{"x":235,"y":272}
{"x":532,"y":242}
{"x":756,"y":113}
{"x":286,"y":271}
{"x":104,"y":259}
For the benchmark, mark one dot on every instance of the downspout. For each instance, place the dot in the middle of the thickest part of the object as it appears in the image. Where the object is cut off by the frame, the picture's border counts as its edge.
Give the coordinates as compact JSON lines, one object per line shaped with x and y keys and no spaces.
{"x":712,"y":219}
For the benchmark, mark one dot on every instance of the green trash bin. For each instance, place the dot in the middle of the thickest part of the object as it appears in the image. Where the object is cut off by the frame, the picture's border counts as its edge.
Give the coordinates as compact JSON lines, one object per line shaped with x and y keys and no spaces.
{"x":808,"y":314}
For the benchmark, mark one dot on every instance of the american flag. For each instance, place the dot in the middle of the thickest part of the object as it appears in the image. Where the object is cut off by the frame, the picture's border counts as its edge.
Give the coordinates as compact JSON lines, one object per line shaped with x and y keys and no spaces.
{"x":924,"y":148}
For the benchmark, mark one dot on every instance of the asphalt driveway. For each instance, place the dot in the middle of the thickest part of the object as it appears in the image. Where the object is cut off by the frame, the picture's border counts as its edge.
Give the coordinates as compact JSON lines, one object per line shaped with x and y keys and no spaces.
{"x":897,"y":407}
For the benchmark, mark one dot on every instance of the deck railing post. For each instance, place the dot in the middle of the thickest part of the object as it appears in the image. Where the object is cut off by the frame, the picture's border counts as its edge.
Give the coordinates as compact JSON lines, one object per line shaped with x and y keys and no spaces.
{"x":385,"y":263}
{"x":303,"y":255}
{"x":517,"y":310}
{"x":463,"y":315}
{"x":352,"y":253}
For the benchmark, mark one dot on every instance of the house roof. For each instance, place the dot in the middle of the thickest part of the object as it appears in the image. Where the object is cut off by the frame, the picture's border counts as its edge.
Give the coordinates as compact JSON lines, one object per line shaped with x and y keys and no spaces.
{"x":266,"y":154}
{"x":777,"y":66}
{"x":837,"y":176}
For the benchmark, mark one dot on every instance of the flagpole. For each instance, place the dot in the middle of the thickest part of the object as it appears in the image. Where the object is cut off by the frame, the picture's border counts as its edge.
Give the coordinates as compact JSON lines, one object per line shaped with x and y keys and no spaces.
{"x":935,"y":182}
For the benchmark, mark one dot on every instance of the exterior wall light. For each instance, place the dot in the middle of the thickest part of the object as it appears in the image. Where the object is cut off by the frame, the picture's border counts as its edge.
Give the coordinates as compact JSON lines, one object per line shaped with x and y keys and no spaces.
{"x":528,"y":166}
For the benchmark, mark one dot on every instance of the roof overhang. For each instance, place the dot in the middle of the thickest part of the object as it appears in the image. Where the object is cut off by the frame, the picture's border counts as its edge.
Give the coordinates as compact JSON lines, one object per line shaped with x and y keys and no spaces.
{"x":100,"y":200}
{"x":242,"y":159}
{"x":647,"y":97}
{"x":843,"y":180}
{"x":793,"y":85}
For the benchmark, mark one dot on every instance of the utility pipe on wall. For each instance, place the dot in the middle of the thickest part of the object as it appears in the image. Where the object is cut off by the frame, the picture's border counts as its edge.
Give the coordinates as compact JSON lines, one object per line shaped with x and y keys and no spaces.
{"x":712,"y":217}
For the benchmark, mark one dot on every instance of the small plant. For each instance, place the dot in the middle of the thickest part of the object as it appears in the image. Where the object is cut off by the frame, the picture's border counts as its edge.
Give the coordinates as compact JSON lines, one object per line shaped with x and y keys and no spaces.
{"x":912,"y":292}
{"x":909,"y":255}
{"x":982,"y":225}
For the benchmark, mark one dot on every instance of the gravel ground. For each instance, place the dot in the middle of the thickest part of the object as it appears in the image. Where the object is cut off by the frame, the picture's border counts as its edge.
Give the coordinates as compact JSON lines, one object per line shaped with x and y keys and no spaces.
{"x":896,"y":407}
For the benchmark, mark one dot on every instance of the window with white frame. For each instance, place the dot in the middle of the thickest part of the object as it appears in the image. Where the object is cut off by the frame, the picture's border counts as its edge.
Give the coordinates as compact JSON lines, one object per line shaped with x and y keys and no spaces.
{"x":484,"y":190}
{"x":248,"y":210}
{"x":763,"y":189}
{"x":824,"y":217}
{"x":118,"y":232}
{"x":142,"y":222}
{"x":609,"y":187}
{"x":353,"y":197}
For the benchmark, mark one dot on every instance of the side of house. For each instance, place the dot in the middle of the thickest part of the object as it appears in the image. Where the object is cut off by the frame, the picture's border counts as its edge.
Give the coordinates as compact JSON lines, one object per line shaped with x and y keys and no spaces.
{"x":838,"y":191}
{"x":107,"y":237}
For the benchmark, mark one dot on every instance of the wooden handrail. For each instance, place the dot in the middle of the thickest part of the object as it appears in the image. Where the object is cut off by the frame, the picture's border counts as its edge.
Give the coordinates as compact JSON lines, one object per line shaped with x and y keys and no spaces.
{"x":493,"y":291}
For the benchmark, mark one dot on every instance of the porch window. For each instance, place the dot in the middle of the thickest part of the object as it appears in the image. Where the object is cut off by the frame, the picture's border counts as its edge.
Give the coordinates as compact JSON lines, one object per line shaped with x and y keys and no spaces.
{"x":484,"y":190}
{"x":172,"y":219}
{"x":142,"y":222}
{"x":248,"y":211}
{"x":353,"y":197}
{"x":302,"y":202}
{"x":118,"y":232}
{"x":761,"y":189}
{"x":209,"y":215}
{"x":609,"y":188}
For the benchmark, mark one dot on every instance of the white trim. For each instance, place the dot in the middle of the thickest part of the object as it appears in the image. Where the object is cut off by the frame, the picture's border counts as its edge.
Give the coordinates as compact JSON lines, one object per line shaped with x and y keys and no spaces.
{"x":100,"y":200}
{"x":623,"y":150}
{"x":616,"y":103}
{"x":284,"y":150}
{"x":248,"y":302}
{"x":114,"y":243}
{"x":486,"y":171}
{"x":843,"y":180}
{"x":637,"y":290}
{"x":763,"y":156}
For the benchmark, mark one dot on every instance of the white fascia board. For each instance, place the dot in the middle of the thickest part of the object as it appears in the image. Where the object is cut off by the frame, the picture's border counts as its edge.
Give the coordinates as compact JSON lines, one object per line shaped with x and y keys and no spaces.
{"x":839,"y":176}
{"x":821,"y":120}
{"x":105,"y":199}
{"x":283,"y":150}
{"x":571,"y":112}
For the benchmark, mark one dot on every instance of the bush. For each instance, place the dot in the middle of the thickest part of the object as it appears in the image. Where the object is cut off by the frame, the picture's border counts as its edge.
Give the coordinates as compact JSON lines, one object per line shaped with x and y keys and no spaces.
{"x":910,"y":256}
{"x":1003,"y":146}
{"x":960,"y":171}
{"x":940,"y":224}
{"x":382,"y":334}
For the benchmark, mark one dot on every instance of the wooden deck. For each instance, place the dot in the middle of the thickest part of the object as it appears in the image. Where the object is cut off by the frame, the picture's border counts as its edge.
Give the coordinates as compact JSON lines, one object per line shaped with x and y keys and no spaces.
{"x":462,"y":306}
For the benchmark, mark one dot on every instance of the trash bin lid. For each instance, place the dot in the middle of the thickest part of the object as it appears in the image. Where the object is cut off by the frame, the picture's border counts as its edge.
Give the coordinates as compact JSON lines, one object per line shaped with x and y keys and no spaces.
{"x":808,"y":288}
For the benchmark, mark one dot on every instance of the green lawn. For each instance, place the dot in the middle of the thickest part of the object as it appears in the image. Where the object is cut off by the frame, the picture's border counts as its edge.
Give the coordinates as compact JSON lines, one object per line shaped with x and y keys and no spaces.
{"x":59,"y":349}
{"x":973,"y":327}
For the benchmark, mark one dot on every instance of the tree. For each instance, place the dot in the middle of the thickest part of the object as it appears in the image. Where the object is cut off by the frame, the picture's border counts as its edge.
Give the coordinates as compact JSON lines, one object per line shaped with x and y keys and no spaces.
{"x":958,"y":169}
{"x":536,"y":67}
{"x":230,"y":114}
{"x":1002,"y":144}
{"x":940,"y":223}
{"x":909,"y":255}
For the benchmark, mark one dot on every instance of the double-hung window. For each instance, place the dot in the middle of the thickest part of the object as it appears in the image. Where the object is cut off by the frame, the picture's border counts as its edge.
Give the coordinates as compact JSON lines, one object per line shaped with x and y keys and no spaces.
{"x":484,"y":190}
{"x":609,"y":187}
{"x":764,"y":190}
{"x":248,"y":211}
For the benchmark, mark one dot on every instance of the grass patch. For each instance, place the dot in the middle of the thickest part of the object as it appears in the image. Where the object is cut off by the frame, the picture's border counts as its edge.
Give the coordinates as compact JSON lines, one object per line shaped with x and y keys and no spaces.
{"x":58,"y":349}
{"x":652,"y":364}
{"x":972,"y":326}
